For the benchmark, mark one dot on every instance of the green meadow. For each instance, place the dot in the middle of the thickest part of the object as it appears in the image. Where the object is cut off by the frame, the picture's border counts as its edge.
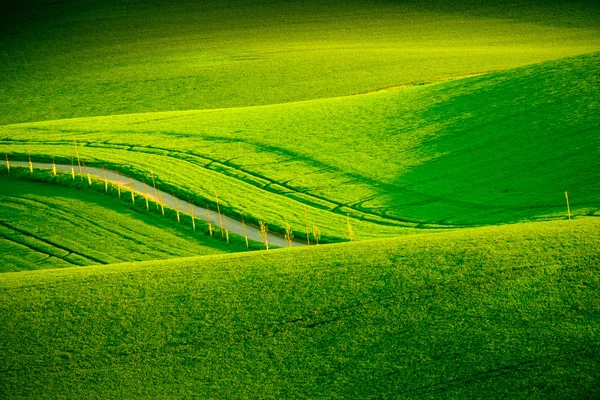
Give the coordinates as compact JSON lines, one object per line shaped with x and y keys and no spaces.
{"x":433,"y":146}
{"x":92,"y":58}
{"x":454,"y":153}
{"x":508,"y":311}
{"x":44,"y":225}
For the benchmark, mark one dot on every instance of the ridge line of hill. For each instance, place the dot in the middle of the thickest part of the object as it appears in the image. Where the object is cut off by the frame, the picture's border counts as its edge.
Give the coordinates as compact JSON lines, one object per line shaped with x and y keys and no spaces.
{"x":231,"y":258}
{"x":209,"y":110}
{"x":436,"y":81}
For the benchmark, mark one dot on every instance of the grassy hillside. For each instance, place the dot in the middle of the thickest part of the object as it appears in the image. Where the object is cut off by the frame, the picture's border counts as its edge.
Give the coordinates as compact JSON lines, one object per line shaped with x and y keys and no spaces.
{"x":488,"y":149}
{"x":93,"y":58}
{"x":400,"y":121}
{"x":508,"y":311}
{"x":50,"y":226}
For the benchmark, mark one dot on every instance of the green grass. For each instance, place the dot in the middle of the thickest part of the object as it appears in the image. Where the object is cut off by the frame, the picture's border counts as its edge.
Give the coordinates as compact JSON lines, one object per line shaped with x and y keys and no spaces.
{"x":500,"y":312}
{"x":93,"y":58}
{"x":45,"y":225}
{"x":406,"y":120}
{"x":489,"y":149}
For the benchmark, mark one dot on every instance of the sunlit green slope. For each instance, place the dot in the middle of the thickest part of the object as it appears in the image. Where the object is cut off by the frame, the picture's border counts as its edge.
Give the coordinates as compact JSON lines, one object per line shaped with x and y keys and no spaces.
{"x":91,"y":58}
{"x":50,"y":226}
{"x":488,"y":149}
{"x":509,"y":312}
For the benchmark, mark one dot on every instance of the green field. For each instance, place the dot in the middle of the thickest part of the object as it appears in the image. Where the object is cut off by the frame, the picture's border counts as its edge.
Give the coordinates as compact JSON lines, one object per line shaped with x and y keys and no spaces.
{"x":433,"y":144}
{"x":91,"y":58}
{"x":491,"y":149}
{"x":509,"y":311}
{"x":45,"y":225}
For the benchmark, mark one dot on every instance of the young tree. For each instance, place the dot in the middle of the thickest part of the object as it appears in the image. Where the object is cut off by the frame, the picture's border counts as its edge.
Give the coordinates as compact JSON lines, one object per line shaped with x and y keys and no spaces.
{"x":210,"y":227}
{"x":350,"y":230}
{"x":306,"y":225}
{"x":132,"y":192}
{"x":289,"y":235}
{"x":118,"y":184}
{"x":176,"y":207}
{"x":156,"y":197}
{"x":219,"y":213}
{"x":264,"y":231}
{"x":568,"y":206}
{"x":245,"y":234}
{"x":316,"y":233}
{"x":105,"y":180}
{"x":192,"y":214}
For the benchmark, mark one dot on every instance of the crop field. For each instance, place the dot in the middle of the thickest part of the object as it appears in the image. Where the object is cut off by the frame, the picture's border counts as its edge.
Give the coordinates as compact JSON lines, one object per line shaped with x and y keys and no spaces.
{"x":50,"y":226}
{"x":455,"y":153}
{"x":508,"y":311}
{"x":431,"y":168}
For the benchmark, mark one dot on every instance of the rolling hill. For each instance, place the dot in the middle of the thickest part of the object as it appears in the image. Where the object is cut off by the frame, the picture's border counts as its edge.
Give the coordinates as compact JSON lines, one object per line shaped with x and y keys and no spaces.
{"x":508,"y":311}
{"x":488,"y":149}
{"x":65,"y":59}
{"x":44,"y":225}
{"x":438,"y":140}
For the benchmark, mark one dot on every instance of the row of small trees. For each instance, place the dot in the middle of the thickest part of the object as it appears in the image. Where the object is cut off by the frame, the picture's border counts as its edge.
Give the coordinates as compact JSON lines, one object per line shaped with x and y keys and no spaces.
{"x":263,"y":230}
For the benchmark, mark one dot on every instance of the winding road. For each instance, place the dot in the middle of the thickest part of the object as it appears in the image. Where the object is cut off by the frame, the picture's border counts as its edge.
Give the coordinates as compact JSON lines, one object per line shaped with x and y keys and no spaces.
{"x":141,"y":188}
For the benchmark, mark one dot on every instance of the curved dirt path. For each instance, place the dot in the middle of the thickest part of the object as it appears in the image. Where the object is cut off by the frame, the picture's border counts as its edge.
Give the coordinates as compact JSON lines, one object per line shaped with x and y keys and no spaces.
{"x":201,"y":213}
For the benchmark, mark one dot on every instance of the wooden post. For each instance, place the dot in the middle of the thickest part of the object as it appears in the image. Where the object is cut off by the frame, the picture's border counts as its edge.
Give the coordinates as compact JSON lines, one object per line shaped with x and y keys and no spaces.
{"x":568,"y":207}
{"x":219,"y":213}
{"x":306,"y":224}
{"x":73,"y":170}
{"x":89,"y":178}
{"x":53,"y":167}
{"x":7,"y":164}
{"x":30,"y":164}
{"x":245,"y":234}
{"x":78,"y":158}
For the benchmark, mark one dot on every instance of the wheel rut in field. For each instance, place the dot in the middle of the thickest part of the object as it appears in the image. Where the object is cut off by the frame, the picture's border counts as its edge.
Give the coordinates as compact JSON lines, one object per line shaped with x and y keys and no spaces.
{"x":262,"y":182}
{"x":48,"y":243}
{"x":168,"y":200}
